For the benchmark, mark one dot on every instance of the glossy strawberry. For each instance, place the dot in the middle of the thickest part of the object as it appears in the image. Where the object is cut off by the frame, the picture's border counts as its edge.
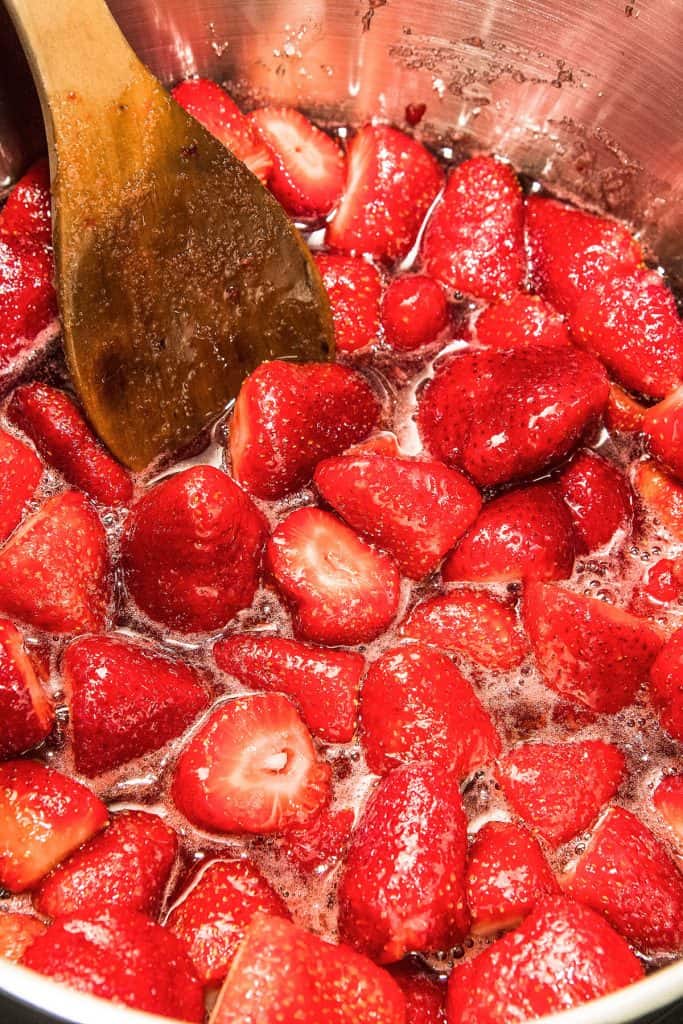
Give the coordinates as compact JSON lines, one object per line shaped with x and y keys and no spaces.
{"x":27,"y":212}
{"x":321,"y":844}
{"x":17,"y":932}
{"x":599,"y":499}
{"x":661,"y":495}
{"x":623,"y":414}
{"x":668,"y":799}
{"x":26,"y":712}
{"x":666,"y":685}
{"x":414,"y":312}
{"x":519,"y":322}
{"x":424,"y":991}
{"x":663,"y":427}
{"x":354,"y":289}
{"x":20,"y":473}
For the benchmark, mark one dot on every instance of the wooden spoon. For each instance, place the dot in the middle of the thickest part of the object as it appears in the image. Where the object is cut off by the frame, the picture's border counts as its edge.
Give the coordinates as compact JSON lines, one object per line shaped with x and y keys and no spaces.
{"x":177,"y":272}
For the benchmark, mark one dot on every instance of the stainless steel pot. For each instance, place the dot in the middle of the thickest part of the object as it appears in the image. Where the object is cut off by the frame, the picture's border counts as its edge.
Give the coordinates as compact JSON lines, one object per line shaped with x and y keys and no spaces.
{"x":586,"y":95}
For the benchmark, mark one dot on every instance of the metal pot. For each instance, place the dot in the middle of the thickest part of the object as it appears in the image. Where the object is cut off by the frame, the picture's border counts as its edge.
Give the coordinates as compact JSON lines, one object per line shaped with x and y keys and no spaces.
{"x":585,"y":95}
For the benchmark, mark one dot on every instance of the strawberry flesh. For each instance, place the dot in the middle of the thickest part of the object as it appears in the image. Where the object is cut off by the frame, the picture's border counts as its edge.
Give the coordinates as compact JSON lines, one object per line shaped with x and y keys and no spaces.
{"x":666,"y":685}
{"x":17,"y":932}
{"x":663,"y":426}
{"x":27,"y":214}
{"x":354,"y":289}
{"x":668,"y":799}
{"x":424,"y":991}
{"x":623,"y":414}
{"x":26,"y":711}
{"x":414,"y":312}
{"x":519,"y":322}
{"x":321,"y":844}
{"x":661,"y":495}
{"x":20,"y":474}
{"x":599,"y":500}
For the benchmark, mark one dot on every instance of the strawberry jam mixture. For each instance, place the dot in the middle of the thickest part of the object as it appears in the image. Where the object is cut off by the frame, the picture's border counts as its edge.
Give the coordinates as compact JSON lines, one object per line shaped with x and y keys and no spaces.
{"x":373,"y":709}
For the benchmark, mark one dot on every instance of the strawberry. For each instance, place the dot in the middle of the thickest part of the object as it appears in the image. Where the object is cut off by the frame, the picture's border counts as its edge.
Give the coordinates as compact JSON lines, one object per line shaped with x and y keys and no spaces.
{"x":414,"y":312}
{"x":340,"y":590}
{"x":519,"y":322}
{"x":191,"y":551}
{"x":323,"y":684}
{"x":20,"y":473}
{"x":283,"y":974}
{"x":504,"y":416}
{"x":121,"y":955}
{"x":127,"y":865}
{"x":523,"y":534}
{"x":661,"y":495}
{"x":664,"y":581}
{"x":214,"y":910}
{"x":562,"y":955}
{"x":54,"y":570}
{"x":415,"y":510}
{"x":384,"y":442}
{"x":221,"y":116}
{"x":663,"y":427}
{"x":26,"y":711}
{"x":668,"y":799}
{"x":627,"y":875}
{"x":309,"y":168}
{"x":321,"y":844}
{"x":623,"y":414}
{"x":471,"y":623}
{"x":560,"y":788}
{"x":391,"y":182}
{"x":424,"y":991}
{"x":17,"y":932}
{"x":44,"y":816}
{"x":27,"y":213}
{"x":474,"y":241}
{"x":666,"y":685}
{"x":354,"y":289}
{"x":288,"y":417}
{"x":507,"y":874}
{"x":403,"y":885}
{"x":588,"y":651}
{"x":416,"y":706}
{"x":251,"y":768}
{"x":28,"y":304}
{"x":599,"y":499}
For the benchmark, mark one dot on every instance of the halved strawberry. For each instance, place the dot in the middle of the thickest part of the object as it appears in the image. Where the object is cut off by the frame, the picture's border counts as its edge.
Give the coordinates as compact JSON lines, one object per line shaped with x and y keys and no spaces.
{"x":560,"y":788}
{"x":354,"y":289}
{"x":340,"y":590}
{"x":27,"y":213}
{"x":414,"y":312}
{"x":251,"y":767}
{"x":17,"y":932}
{"x":391,"y":182}
{"x":26,"y":711}
{"x":28,"y":304}
{"x":212,"y":107}
{"x":663,"y":426}
{"x":309,"y":167}
{"x":289,"y":416}
{"x":519,"y":322}
{"x":623,"y":414}
{"x":384,"y":442}
{"x":424,"y":991}
{"x":402,"y":888}
{"x":664,"y":581}
{"x":321,"y":844}
{"x":416,"y":706}
{"x":668,"y":799}
{"x":323,"y":684}
{"x":414,"y":510}
{"x":44,"y":816}
{"x":54,"y":570}
{"x":474,"y":240}
{"x":666,"y":685}
{"x":504,"y":416}
{"x":661,"y":495}
{"x":599,"y":498}
{"x":20,"y":473}
{"x":589,"y":651}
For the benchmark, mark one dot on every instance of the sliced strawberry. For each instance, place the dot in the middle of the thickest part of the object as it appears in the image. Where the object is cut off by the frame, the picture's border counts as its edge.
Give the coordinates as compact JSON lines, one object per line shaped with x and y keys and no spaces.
{"x":391,"y":182}
{"x":354,"y":289}
{"x":661,"y":495}
{"x":414,"y":312}
{"x":471,"y":623}
{"x":191,"y":551}
{"x":220,"y":115}
{"x":664,"y":581}
{"x":560,"y":788}
{"x":20,"y":473}
{"x":519,"y":322}
{"x":127,"y":865}
{"x":424,"y":991}
{"x":663,"y":426}
{"x":17,"y":932}
{"x":384,"y":442}
{"x":562,"y":955}
{"x":668,"y":799}
{"x":251,"y":768}
{"x":309,"y":167}
{"x":321,"y":844}
{"x":589,"y":651}
{"x":666,"y":685}
{"x":44,"y":816}
{"x":627,"y":875}
{"x":474,"y":241}
{"x":121,"y":955}
{"x":508,"y":415}
{"x":27,"y":213}
{"x":403,"y":884}
{"x":28,"y":304}
{"x":26,"y":711}
{"x":323,"y":684}
{"x":54,"y":570}
{"x":288,"y":417}
{"x":214,"y":910}
{"x":340,"y":590}
{"x":414,"y":510}
{"x":599,"y":499}
{"x":416,"y":706}
{"x":524,"y":534}
{"x":623,"y":414}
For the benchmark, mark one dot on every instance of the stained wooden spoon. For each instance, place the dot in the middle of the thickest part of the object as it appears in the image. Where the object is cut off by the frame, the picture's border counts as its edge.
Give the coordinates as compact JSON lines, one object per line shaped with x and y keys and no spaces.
{"x":177,"y":272}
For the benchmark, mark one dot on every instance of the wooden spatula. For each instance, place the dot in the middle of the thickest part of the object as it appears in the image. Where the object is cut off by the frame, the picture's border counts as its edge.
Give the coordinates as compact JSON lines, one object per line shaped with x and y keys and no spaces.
{"x":177,"y":272}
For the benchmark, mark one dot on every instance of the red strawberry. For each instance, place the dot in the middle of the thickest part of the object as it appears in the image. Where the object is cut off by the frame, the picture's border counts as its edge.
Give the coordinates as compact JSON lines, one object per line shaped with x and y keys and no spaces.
{"x":309,"y":168}
{"x":562,"y":955}
{"x":191,"y":552}
{"x":28,"y":305}
{"x":27,"y":214}
{"x":508,"y":415}
{"x":472,"y":623}
{"x":323,"y":684}
{"x":403,"y":884}
{"x":321,"y":844}
{"x":663,"y":426}
{"x":283,"y":974}
{"x":44,"y":816}
{"x":384,"y":442}
{"x":414,"y":510}
{"x":341,"y":590}
{"x":121,"y":955}
{"x":354,"y":289}
{"x":220,"y":115}
{"x":391,"y":182}
{"x":560,"y":788}
{"x":524,"y":534}
{"x":666,"y":685}
{"x":599,"y":499}
{"x":424,"y":991}
{"x":623,"y":414}
{"x":20,"y":473}
{"x":54,"y":570}
{"x":668,"y":799}
{"x":414,"y":312}
{"x":17,"y":932}
{"x":26,"y":711}
{"x":519,"y":322}
{"x":589,"y":651}
{"x":627,"y":875}
{"x":288,"y":417}
{"x":661,"y":495}
{"x":474,"y":241}
{"x":251,"y":768}
{"x":664,"y":581}
{"x":127,"y":865}
{"x":416,"y":706}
